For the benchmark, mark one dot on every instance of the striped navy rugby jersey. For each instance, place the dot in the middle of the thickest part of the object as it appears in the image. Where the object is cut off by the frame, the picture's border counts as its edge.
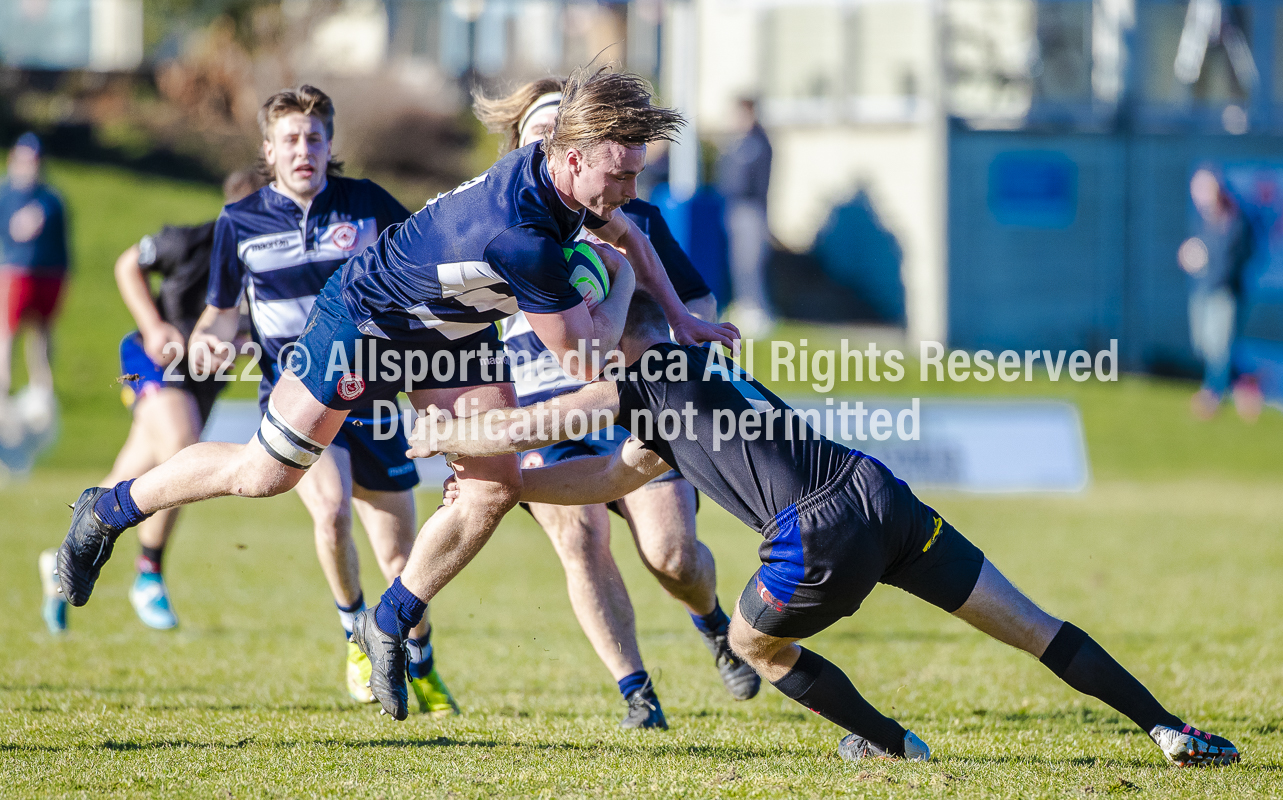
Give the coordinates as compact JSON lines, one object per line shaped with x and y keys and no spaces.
{"x":280,"y":255}
{"x":469,"y":258}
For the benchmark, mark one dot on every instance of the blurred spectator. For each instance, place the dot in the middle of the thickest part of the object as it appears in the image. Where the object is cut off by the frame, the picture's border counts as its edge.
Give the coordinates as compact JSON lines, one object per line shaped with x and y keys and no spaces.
{"x":33,"y":264}
{"x":744,"y":174}
{"x":1214,"y":257}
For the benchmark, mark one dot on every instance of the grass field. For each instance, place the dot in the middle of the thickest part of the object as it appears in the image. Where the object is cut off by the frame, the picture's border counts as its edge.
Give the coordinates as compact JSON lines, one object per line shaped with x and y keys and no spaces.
{"x":1172,"y":559}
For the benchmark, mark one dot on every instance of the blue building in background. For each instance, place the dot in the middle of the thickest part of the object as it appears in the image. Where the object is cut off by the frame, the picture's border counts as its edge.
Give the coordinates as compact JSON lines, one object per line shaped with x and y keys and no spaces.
{"x":1064,"y":218}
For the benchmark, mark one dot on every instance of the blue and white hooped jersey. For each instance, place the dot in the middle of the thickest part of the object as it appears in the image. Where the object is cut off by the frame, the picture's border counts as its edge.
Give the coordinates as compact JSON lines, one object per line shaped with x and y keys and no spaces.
{"x":535,"y":371}
{"x":280,"y":255}
{"x":469,"y":258}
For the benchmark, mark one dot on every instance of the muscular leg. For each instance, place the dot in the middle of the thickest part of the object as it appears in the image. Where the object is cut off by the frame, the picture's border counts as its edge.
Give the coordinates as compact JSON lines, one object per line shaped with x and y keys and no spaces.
{"x":818,"y":684}
{"x":164,"y":423}
{"x":488,"y":488}
{"x":662,"y":518}
{"x":1002,"y":611}
{"x":217,"y":469}
{"x":388,"y":519}
{"x":581,"y":537}
{"x":326,"y":490}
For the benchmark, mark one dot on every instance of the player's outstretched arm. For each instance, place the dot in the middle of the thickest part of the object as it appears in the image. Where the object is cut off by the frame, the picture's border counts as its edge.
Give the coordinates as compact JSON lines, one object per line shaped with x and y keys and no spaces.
{"x":652,"y":279}
{"x":586,"y":481}
{"x":596,"y":479}
{"x":502,"y":431}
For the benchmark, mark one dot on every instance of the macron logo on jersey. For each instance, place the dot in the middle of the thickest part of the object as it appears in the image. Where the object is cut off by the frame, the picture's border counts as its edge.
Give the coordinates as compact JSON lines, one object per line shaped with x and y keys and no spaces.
{"x":285,"y":249}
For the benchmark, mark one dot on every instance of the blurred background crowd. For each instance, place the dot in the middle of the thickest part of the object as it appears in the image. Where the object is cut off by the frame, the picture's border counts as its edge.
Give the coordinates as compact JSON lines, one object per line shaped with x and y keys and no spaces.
{"x":995,"y":174}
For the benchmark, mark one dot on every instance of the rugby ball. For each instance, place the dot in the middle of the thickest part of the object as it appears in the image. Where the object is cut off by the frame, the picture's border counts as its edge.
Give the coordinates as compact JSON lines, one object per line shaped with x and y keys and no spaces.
{"x":587,"y":274}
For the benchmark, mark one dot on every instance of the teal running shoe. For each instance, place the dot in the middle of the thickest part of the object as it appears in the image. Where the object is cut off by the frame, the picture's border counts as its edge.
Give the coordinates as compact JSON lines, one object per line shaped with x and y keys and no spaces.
{"x":150,"y":598}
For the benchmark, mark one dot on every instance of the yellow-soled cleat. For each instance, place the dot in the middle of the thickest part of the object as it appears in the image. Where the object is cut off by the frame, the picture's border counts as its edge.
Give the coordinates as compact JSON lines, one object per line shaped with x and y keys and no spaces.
{"x":358,"y":675}
{"x":433,"y":696}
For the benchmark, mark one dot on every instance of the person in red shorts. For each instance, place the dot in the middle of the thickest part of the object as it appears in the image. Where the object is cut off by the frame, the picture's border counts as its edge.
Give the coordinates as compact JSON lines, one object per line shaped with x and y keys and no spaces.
{"x":33,"y":268}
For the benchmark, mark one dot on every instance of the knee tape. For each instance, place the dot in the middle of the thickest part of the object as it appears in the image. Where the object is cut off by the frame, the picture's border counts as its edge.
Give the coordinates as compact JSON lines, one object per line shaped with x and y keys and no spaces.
{"x":286,"y":443}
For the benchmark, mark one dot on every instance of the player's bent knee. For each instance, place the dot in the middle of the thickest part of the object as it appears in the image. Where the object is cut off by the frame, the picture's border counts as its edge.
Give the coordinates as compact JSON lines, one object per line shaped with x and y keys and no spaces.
{"x":749,"y":644}
{"x":497,"y":496}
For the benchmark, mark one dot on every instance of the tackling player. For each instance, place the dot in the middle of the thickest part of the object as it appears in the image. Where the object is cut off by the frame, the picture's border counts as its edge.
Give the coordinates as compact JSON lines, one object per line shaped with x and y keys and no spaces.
{"x":415,"y":312}
{"x":834,"y":521}
{"x":661,"y":515}
{"x":168,"y":414}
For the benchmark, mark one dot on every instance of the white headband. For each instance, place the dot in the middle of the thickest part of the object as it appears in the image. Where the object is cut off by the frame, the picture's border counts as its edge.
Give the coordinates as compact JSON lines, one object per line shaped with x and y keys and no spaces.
{"x":552,"y":99}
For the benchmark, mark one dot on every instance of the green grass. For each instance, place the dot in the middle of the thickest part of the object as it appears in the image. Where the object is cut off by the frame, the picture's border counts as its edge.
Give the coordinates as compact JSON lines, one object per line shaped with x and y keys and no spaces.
{"x":1172,"y":559}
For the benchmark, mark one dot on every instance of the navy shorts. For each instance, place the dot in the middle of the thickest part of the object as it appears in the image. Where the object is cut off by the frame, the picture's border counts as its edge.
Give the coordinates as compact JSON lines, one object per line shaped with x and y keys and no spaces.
{"x":379,"y":462}
{"x":598,"y":443}
{"x":823,"y":555}
{"x":140,"y":376}
{"x":377,"y":368}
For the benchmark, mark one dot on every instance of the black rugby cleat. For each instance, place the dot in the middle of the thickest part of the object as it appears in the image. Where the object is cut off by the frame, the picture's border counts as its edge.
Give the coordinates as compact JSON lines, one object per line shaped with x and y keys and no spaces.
{"x":387,"y":664}
{"x":644,"y":710}
{"x":741,"y":680}
{"x":87,"y":547}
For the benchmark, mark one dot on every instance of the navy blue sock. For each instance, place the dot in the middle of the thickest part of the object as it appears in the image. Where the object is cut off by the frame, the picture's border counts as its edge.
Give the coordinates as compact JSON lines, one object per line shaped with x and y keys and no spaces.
{"x":420,"y":660}
{"x":714,"y":622}
{"x":398,"y":610}
{"x":117,"y":509}
{"x":631,"y":683}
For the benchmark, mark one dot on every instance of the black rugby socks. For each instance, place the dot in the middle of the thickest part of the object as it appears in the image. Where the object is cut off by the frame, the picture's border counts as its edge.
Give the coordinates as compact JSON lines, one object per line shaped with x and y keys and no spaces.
{"x":820,"y":686}
{"x":1077,"y":660}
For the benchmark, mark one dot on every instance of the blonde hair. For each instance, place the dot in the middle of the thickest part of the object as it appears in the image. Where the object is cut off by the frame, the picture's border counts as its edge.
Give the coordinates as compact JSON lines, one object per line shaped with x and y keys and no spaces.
{"x":306,"y":99}
{"x":608,"y":106}
{"x":503,"y":115}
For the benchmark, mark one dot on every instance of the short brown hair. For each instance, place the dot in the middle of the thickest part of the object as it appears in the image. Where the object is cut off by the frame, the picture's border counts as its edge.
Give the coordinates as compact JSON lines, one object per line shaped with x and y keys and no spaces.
{"x":503,"y":115}
{"x":306,"y":99}
{"x":609,"y":106}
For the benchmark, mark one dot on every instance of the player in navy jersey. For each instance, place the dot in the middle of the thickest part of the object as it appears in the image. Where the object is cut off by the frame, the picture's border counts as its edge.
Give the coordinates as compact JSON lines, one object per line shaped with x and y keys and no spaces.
{"x":834,"y":523}
{"x":169,"y":405}
{"x":661,"y":515}
{"x":415,"y":312}
{"x":277,"y":248}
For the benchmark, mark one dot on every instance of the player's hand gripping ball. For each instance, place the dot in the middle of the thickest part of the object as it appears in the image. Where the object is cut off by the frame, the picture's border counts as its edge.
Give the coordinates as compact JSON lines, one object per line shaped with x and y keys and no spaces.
{"x":587,"y":273}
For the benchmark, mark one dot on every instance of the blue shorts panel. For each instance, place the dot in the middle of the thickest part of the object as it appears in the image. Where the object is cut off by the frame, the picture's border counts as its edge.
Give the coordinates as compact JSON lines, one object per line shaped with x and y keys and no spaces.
{"x":137,"y":370}
{"x":379,"y":462}
{"x":140,"y":375}
{"x":823,"y":555}
{"x":328,"y":365}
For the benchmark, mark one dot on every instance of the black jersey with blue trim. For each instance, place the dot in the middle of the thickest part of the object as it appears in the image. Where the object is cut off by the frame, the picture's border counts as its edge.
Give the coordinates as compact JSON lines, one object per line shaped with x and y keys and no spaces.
{"x":727,"y":434}
{"x":280,"y":255}
{"x":469,"y":258}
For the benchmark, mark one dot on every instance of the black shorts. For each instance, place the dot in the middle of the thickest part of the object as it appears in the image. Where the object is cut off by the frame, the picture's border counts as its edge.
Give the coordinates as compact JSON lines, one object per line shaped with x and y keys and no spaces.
{"x":824,"y":554}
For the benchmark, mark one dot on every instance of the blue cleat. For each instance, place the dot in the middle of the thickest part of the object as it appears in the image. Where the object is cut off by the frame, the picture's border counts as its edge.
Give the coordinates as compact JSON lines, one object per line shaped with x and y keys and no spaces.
{"x":150,"y":598}
{"x":87,"y":547}
{"x":54,"y":606}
